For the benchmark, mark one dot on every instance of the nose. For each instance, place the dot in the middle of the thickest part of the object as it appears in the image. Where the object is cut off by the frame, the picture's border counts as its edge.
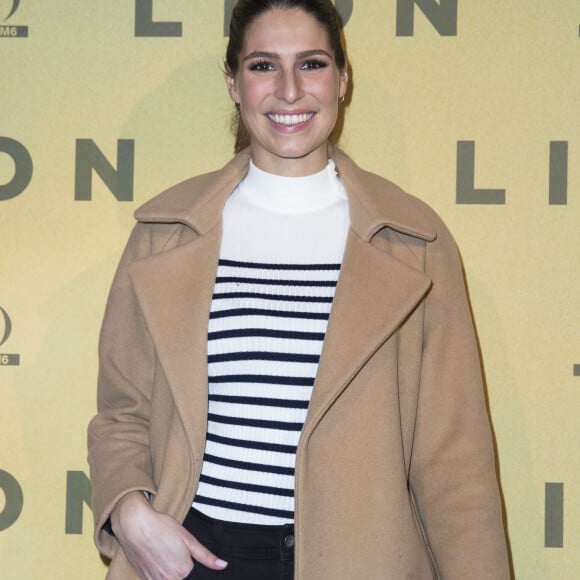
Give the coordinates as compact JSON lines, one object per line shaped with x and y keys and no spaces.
{"x":290,"y":86}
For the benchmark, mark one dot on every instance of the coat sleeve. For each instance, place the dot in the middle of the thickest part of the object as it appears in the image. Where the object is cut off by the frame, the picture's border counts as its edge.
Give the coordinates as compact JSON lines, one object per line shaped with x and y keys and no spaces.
{"x":118,"y":436}
{"x":453,"y":473}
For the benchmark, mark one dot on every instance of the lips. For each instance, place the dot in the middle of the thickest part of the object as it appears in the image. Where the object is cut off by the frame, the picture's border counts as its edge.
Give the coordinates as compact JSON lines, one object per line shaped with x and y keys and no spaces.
{"x":290,"y":120}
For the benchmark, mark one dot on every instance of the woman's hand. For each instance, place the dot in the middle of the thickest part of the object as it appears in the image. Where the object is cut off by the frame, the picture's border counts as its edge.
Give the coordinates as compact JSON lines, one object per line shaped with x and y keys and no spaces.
{"x":157,"y":545}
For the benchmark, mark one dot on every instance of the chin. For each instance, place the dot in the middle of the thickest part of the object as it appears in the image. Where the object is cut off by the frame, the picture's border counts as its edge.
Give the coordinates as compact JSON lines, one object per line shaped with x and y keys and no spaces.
{"x":294,"y":152}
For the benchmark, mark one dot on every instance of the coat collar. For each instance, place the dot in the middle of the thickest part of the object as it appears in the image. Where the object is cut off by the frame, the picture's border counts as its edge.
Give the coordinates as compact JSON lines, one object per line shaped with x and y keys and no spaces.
{"x":376,"y":291}
{"x":374,"y":202}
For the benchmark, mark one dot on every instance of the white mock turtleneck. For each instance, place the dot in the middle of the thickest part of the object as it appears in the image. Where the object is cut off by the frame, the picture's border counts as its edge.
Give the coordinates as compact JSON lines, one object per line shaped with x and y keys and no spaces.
{"x":282,"y":246}
{"x":280,"y":219}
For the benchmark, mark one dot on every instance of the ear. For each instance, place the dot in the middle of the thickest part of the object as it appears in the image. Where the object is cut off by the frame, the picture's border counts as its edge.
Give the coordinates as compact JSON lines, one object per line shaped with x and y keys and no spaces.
{"x":343,"y":81}
{"x":232,"y":88}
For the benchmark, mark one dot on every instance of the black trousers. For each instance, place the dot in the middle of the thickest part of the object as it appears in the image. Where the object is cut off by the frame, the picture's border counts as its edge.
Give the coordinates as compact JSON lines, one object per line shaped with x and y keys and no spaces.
{"x":253,"y":552}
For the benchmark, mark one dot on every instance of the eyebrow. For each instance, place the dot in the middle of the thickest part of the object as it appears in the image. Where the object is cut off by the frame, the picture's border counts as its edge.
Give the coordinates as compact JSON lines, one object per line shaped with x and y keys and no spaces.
{"x":276,"y":56}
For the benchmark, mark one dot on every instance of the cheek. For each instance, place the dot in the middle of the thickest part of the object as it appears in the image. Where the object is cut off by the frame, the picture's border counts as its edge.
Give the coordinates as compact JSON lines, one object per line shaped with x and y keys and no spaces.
{"x":252,"y":93}
{"x":327,"y":90}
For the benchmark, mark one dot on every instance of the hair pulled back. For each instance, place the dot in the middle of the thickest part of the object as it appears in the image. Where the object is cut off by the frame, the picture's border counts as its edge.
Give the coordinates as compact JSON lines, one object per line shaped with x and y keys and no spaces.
{"x":244,"y":13}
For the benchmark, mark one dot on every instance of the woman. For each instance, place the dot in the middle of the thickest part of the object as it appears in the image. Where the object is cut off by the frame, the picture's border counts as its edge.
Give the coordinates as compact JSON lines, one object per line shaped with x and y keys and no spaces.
{"x":244,"y":430}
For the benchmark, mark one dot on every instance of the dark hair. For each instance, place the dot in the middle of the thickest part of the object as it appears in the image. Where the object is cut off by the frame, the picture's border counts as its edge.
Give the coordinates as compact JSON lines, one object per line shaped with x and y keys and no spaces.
{"x":244,"y":14}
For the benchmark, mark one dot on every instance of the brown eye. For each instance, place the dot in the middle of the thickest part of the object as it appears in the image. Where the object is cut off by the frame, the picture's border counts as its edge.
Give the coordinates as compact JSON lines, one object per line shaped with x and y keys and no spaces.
{"x":262,"y":66}
{"x":313,"y":64}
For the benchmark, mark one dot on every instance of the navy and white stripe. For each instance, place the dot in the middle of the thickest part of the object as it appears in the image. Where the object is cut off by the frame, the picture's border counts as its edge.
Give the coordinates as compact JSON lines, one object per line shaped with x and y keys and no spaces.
{"x":283,"y":239}
{"x":266,"y":329}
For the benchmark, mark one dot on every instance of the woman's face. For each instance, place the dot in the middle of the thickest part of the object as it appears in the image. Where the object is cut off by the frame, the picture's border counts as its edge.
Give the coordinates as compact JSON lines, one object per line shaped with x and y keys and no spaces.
{"x":288,"y":87}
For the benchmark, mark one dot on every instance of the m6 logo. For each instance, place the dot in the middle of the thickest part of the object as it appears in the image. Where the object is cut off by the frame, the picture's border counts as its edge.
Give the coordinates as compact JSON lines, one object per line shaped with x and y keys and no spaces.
{"x":10,"y":30}
{"x":5,"y":331}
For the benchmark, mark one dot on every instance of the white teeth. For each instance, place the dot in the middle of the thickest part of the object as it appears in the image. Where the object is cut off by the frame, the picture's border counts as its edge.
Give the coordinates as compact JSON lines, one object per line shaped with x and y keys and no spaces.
{"x":290,"y":119}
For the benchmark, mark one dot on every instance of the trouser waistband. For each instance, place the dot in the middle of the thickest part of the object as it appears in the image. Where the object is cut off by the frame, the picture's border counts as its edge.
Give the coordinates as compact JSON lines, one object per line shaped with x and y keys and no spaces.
{"x":242,"y":541}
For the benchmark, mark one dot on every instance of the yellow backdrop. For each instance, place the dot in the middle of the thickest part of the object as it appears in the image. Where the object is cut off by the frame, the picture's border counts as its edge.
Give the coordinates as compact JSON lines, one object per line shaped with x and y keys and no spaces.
{"x":472,"y":106}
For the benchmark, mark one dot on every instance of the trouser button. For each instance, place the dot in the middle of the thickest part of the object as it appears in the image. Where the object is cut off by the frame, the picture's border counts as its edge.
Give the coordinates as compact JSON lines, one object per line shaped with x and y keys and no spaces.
{"x":289,"y":541}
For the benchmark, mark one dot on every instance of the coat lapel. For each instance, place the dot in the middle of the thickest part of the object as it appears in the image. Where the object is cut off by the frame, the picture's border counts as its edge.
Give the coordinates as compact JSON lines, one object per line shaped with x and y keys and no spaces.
{"x":175,"y":286}
{"x":174,"y":289}
{"x":374,"y":295}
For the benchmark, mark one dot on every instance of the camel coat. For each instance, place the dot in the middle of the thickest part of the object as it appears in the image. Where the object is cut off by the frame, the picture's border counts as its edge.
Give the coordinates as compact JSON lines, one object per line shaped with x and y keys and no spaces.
{"x":395,"y":470}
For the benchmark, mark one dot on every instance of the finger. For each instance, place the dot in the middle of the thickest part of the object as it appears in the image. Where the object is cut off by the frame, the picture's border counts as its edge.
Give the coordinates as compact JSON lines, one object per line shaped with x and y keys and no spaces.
{"x":202,"y":555}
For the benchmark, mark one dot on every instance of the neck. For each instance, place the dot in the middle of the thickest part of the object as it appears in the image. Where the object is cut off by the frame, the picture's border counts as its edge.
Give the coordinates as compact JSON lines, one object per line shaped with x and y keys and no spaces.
{"x":309,"y":164}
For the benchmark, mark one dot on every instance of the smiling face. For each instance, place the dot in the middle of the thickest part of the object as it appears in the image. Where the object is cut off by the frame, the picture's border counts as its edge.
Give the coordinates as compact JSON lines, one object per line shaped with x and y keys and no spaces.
{"x":288,"y":86}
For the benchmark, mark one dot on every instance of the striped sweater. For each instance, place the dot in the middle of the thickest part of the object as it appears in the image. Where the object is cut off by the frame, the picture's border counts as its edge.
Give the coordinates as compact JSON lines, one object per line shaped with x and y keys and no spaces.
{"x":282,"y":246}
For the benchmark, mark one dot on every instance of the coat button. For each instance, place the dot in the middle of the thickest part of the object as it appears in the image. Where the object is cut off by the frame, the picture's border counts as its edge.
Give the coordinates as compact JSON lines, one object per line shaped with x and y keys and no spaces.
{"x":289,"y":541}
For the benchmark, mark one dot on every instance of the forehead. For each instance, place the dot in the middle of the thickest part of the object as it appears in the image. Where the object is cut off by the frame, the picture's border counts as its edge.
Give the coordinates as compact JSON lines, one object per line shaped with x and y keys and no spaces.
{"x":285,"y":31}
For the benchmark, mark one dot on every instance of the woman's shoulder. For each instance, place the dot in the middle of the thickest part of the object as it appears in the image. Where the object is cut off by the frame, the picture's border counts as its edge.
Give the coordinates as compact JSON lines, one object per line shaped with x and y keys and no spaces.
{"x":376,"y":201}
{"x":182,"y":201}
{"x":185,"y":210}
